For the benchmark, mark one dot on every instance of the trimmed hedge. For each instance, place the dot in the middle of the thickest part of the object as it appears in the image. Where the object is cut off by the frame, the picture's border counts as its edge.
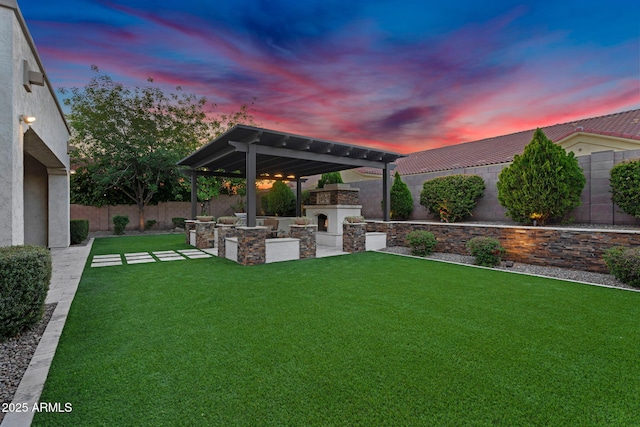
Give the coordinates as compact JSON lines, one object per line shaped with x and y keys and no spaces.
{"x":178,"y":222}
{"x":487,"y":251}
{"x":25,"y":273}
{"x":452,"y":197}
{"x":624,"y":264}
{"x":422,"y":243}
{"x":79,"y":230}
{"x":119,"y":223}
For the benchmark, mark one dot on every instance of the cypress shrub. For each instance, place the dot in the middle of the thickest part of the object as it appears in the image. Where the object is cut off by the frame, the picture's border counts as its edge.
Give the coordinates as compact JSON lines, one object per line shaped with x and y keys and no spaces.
{"x":542,"y":184}
{"x":452,"y":198}
{"x":25,"y":273}
{"x":119,"y":223}
{"x":330,"y":178}
{"x":79,"y":230}
{"x":401,"y":199}
{"x":625,"y":186}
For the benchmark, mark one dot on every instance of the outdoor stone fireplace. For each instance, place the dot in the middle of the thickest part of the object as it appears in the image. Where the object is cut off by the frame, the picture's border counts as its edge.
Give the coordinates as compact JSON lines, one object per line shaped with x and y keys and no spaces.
{"x":329,"y":207}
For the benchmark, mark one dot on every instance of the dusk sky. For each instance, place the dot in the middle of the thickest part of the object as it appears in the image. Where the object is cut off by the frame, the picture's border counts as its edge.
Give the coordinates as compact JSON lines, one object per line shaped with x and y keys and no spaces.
{"x":398,"y":75}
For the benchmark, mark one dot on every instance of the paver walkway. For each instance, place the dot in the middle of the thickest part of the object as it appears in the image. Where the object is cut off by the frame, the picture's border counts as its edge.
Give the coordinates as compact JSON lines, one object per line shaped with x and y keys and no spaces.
{"x":146,"y":257}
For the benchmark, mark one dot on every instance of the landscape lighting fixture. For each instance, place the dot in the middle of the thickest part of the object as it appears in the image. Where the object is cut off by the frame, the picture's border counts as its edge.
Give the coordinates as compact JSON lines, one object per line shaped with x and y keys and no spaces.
{"x":27,"y":119}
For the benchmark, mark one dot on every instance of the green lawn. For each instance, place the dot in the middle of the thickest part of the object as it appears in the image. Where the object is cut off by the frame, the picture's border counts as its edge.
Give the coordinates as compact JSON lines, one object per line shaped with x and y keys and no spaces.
{"x":368,"y":339}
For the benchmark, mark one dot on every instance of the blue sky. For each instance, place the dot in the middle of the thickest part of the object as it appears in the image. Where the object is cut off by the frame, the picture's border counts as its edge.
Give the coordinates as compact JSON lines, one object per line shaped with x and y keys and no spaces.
{"x":399,"y":75}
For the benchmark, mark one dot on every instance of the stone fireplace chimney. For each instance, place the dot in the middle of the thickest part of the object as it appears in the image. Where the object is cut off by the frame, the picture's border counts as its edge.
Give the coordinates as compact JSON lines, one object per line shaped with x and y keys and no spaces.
{"x":329,"y":206}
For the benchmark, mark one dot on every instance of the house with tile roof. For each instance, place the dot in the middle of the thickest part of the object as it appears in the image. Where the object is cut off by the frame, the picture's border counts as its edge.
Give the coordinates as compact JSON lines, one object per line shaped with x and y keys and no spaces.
{"x":597,"y":142}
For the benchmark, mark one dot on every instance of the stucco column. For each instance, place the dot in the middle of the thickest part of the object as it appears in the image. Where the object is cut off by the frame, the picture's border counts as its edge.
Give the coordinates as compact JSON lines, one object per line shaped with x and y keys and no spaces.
{"x":59,"y":208}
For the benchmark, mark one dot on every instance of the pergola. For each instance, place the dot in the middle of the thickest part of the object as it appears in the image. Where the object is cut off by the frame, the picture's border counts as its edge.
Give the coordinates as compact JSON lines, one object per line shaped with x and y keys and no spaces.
{"x":256,"y":153}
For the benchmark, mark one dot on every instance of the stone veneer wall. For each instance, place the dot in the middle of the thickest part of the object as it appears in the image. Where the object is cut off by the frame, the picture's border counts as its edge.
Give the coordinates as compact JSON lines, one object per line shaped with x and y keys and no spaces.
{"x":307,"y":236}
{"x":334,"y":197}
{"x":252,"y":249}
{"x":575,"y":248}
{"x":205,"y":234}
{"x":354,"y":237}
{"x":224,"y":231}
{"x":188,"y":226}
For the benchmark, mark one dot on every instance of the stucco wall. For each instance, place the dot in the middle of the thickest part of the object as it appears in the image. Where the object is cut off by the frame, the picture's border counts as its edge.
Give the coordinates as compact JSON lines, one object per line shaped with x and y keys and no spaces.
{"x":596,"y":208}
{"x":46,"y":140}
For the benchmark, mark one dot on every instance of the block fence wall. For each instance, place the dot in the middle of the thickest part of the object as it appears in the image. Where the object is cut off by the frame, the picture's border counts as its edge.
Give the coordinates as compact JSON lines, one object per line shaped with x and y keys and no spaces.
{"x":100,"y":219}
{"x":596,"y":208}
{"x":576,"y":248}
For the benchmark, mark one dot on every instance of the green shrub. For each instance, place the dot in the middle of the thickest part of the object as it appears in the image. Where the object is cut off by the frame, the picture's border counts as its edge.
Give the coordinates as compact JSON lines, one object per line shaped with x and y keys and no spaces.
{"x":25,"y":273}
{"x":422,"y":243}
{"x":401,"y":199}
{"x":178,"y":222}
{"x":487,"y":251}
{"x":624,"y":264}
{"x":119,"y":223}
{"x":542,"y":184}
{"x":625,"y":186}
{"x":79,"y":230}
{"x":452,"y":198}
{"x":149,"y":224}
{"x":280,"y":199}
{"x":330,"y":178}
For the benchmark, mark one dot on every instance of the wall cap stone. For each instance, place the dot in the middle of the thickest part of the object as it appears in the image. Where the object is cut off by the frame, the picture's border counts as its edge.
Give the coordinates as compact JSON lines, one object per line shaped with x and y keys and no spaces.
{"x":527,"y":227}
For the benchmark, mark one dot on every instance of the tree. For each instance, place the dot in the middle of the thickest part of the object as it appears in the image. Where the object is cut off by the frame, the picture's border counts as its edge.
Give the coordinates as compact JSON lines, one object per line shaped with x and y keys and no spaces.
{"x":280,"y":199}
{"x":330,"y":178}
{"x":542,"y":184}
{"x":625,"y":186}
{"x":129,"y":140}
{"x":401,"y":199}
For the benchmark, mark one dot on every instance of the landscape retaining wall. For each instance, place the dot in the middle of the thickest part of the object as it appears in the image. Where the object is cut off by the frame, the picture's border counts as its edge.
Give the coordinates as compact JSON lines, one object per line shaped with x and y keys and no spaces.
{"x":575,"y":248}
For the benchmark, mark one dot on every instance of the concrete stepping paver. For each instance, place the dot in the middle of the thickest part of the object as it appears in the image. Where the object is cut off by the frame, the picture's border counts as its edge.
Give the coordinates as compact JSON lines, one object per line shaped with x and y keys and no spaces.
{"x":194,"y":253}
{"x":168,"y":256}
{"x":146,"y":257}
{"x":106,"y":260}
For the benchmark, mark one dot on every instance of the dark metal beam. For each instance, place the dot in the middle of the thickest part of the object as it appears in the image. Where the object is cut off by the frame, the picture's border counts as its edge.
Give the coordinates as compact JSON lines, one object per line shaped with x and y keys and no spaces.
{"x":386,"y":193}
{"x":307,"y":155}
{"x":194,"y":194}
{"x":251,"y":185}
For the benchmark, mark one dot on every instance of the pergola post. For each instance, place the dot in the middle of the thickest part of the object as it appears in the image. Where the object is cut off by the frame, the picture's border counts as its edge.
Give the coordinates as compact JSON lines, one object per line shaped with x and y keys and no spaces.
{"x":298,"y":197}
{"x":251,"y":185}
{"x":194,"y":193}
{"x":386,"y":193}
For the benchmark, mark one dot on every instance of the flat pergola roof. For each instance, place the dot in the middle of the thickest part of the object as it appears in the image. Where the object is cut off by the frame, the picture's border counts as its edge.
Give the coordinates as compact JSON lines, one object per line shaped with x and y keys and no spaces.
{"x":278,"y":152}
{"x":256,"y":153}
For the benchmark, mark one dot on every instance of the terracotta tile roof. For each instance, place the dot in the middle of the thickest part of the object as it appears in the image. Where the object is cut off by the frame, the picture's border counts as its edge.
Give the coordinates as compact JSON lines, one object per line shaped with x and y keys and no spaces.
{"x":502,"y":149}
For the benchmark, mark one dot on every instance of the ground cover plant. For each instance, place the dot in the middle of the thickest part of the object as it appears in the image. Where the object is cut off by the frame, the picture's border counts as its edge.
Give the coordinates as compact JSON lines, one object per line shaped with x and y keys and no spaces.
{"x":363,"y":339}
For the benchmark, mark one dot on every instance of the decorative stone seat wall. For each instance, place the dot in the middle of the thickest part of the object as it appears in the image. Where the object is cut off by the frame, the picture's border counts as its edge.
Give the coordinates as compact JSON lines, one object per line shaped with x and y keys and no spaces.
{"x":307,"y":236}
{"x":224,"y":231}
{"x":576,"y":248}
{"x":251,"y":245}
{"x":354,"y":237}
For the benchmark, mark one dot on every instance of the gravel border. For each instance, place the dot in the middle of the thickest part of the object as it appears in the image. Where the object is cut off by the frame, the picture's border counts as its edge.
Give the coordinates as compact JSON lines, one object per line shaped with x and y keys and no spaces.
{"x":16,"y":354}
{"x":538,"y":270}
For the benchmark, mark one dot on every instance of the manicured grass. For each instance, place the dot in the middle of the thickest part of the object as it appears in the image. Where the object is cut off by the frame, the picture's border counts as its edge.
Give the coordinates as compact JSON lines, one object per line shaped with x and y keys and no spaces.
{"x":367,"y":339}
